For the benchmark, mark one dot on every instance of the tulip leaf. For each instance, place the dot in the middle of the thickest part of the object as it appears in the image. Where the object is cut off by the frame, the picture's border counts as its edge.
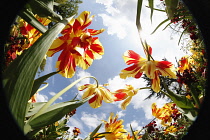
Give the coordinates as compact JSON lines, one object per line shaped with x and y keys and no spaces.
{"x":134,"y":136}
{"x":18,"y":78}
{"x":44,"y":8}
{"x":138,"y":15}
{"x":29,"y":17}
{"x":34,"y":108}
{"x":160,"y":25}
{"x":54,"y":113}
{"x":95,"y":131}
{"x":151,"y":6}
{"x":171,"y":6}
{"x":180,"y":100}
{"x":39,"y":81}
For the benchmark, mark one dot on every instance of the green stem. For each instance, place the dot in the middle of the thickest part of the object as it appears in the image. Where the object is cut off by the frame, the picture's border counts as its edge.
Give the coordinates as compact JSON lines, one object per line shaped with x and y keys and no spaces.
{"x":145,"y":88}
{"x":43,"y":87}
{"x":195,"y":98}
{"x":41,"y":111}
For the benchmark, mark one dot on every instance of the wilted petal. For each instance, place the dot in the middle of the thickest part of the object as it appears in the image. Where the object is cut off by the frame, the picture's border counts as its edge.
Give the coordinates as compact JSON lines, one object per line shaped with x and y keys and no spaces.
{"x":126,"y":103}
{"x":120,"y":95}
{"x":91,"y":89}
{"x":107,"y":97}
{"x":96,"y":101}
{"x":83,"y":87}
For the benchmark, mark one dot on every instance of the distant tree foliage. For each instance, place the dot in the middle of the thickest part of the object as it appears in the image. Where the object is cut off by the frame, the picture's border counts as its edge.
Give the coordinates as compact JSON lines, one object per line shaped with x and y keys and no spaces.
{"x":67,"y":8}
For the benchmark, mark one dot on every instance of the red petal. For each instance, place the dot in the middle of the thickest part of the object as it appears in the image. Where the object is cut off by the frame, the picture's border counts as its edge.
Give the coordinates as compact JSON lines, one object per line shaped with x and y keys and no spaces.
{"x":120,"y":96}
{"x":138,"y":75}
{"x":93,"y":99}
{"x":90,"y":54}
{"x":75,"y":41}
{"x":133,"y":67}
{"x":133,"y":56}
{"x":164,"y":64}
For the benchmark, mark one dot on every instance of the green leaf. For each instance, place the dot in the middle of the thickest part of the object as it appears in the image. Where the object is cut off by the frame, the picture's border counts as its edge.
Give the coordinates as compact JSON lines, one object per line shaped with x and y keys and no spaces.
{"x":34,"y":108}
{"x":151,"y":6}
{"x":63,"y":129}
{"x":53,"y":114}
{"x":138,"y":15}
{"x":95,"y":131}
{"x":39,"y":81}
{"x":181,"y":101}
{"x":160,"y":25}
{"x":160,"y":10}
{"x":133,"y":133}
{"x":44,"y":8}
{"x":171,"y":7}
{"x":29,"y":17}
{"x":18,"y":78}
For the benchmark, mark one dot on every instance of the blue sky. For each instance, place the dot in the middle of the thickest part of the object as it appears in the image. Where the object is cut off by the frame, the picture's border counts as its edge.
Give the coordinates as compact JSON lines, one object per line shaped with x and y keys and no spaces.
{"x":117,"y":17}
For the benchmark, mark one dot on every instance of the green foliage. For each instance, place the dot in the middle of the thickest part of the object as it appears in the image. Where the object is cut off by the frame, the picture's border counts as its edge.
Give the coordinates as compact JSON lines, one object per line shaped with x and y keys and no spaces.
{"x":19,"y":76}
{"x":52,"y":114}
{"x":55,"y":130}
{"x":43,"y":8}
{"x":67,"y":8}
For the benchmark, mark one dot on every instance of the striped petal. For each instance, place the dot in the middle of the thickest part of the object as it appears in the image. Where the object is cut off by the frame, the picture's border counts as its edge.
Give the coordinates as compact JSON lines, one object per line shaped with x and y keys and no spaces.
{"x":126,"y":103}
{"x":96,"y":101}
{"x":156,"y":83}
{"x":131,"y":57}
{"x":166,"y":69}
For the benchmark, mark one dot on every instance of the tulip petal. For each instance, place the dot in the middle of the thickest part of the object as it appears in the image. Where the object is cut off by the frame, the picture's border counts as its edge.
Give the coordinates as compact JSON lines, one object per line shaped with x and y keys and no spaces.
{"x":126,"y":103}
{"x":156,"y":83}
{"x":131,"y":57}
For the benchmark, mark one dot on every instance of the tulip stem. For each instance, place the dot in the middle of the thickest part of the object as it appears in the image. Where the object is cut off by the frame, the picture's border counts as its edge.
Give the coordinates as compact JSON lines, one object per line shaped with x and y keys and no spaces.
{"x":195,"y":98}
{"x":145,"y":88}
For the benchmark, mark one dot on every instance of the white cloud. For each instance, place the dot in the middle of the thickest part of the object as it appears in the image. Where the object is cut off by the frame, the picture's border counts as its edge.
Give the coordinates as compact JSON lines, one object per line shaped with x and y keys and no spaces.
{"x":92,"y":120}
{"x":113,"y":25}
{"x":118,"y":83}
{"x":120,"y":19}
{"x":53,"y":94}
{"x":134,"y":124}
{"x":117,"y":16}
{"x":75,"y":122}
{"x":41,"y":98}
{"x":81,"y":74}
{"x":121,"y":113}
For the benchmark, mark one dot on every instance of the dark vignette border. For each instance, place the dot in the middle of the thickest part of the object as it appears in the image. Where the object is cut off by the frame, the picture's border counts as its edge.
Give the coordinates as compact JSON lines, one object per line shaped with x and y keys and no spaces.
{"x":201,"y":12}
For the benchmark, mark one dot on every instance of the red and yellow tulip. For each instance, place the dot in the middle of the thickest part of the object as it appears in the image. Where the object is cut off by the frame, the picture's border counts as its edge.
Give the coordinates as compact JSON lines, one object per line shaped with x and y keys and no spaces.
{"x":126,"y":95}
{"x":150,"y":67}
{"x":165,"y":113}
{"x":115,"y":127}
{"x":77,"y":45}
{"x":100,"y":93}
{"x":185,"y":63}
